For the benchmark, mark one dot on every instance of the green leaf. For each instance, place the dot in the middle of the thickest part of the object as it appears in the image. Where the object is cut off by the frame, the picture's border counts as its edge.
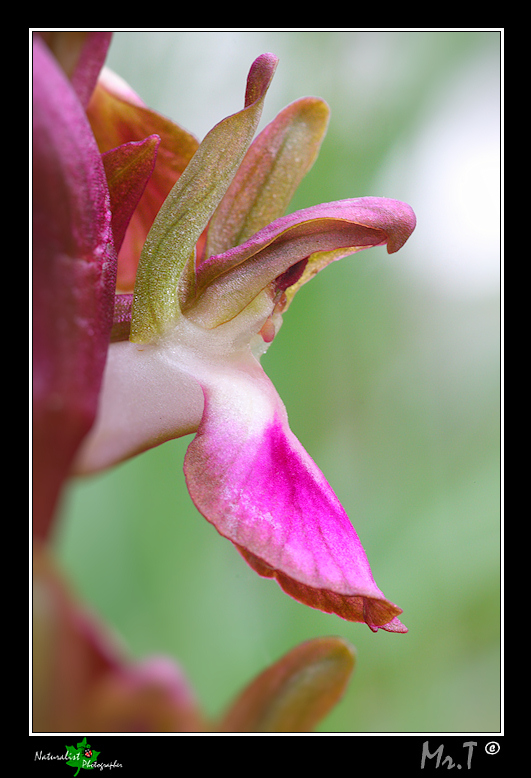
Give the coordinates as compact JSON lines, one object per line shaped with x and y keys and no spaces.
{"x":78,"y":758}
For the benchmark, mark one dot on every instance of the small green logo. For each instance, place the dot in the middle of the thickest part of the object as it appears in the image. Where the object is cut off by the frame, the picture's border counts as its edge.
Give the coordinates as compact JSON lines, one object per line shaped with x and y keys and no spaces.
{"x":82,"y":757}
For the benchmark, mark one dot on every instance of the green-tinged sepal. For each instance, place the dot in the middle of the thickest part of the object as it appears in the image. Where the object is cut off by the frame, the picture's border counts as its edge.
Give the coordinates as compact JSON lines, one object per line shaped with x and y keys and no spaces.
{"x":269,"y":175}
{"x":168,"y":257}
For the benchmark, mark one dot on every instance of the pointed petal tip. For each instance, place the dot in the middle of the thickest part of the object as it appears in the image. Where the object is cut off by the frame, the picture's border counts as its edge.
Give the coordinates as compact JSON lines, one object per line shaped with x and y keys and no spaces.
{"x":267,"y":61}
{"x":375,"y":611}
{"x":260,"y":75}
{"x":382,"y":614}
{"x":395,"y":625}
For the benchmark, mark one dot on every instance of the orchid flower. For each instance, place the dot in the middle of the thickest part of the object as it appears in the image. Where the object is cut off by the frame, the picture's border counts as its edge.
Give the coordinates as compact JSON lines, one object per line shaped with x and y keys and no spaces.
{"x":82,"y":204}
{"x":218,"y":270}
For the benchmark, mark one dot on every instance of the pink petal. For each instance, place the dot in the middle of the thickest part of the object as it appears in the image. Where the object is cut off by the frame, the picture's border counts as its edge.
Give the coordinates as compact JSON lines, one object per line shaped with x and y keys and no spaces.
{"x":74,"y":271}
{"x":128,"y":169}
{"x":250,"y":477}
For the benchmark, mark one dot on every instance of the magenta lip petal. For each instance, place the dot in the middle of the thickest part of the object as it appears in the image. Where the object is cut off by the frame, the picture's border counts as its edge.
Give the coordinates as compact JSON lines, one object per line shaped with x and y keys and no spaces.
{"x":263,"y":492}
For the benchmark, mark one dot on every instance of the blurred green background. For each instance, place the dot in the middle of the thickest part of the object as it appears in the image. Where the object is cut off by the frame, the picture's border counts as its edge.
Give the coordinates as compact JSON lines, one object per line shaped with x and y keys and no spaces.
{"x":389,"y":369}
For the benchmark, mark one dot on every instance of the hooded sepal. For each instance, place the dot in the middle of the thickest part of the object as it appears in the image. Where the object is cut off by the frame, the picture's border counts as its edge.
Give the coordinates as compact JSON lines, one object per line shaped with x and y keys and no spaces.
{"x":289,"y":252}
